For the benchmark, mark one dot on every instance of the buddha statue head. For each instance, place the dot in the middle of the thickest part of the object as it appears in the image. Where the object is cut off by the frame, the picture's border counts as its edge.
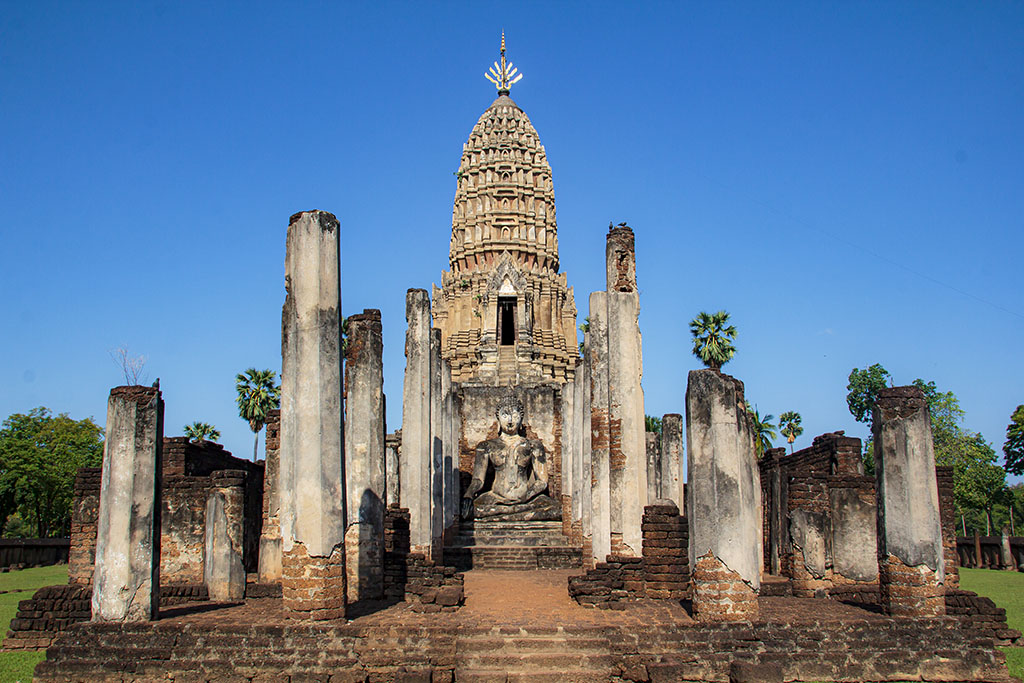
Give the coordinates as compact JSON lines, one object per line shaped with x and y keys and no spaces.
{"x":510,"y":413}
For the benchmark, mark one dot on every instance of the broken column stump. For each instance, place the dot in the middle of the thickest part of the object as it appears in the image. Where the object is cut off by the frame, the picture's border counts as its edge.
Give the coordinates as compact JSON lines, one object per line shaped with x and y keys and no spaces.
{"x":312,"y":476}
{"x":724,"y":500}
{"x":223,"y":569}
{"x":126,"y":580}
{"x":910,"y":552}
{"x":672,"y":459}
{"x":364,"y":457}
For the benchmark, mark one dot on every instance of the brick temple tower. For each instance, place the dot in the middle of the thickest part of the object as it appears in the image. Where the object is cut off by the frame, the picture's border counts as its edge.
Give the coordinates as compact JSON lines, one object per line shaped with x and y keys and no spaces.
{"x":504,"y":311}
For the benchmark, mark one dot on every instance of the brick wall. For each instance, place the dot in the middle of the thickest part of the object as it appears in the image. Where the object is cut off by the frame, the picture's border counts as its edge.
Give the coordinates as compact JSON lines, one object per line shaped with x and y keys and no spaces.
{"x":410,"y":577}
{"x":84,"y":513}
{"x":662,"y":573}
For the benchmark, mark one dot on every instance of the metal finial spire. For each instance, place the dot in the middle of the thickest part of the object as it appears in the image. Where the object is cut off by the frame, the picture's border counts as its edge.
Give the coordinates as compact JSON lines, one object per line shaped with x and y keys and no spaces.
{"x":503,"y":76}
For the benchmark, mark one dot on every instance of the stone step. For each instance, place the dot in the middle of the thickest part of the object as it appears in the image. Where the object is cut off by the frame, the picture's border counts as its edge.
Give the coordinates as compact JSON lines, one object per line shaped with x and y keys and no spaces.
{"x":556,"y":675}
{"x":509,"y":534}
{"x":526,"y":643}
{"x":517,"y":558}
{"x":535,"y":661}
{"x":776,"y":586}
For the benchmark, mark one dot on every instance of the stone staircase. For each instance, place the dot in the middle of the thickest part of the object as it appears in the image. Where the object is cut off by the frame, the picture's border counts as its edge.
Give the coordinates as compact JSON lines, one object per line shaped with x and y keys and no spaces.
{"x":507,"y":654}
{"x":506,"y":365}
{"x":511,"y":545}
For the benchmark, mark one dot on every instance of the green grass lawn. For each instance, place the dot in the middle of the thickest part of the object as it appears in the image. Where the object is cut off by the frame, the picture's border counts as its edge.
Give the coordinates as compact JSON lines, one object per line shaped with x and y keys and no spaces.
{"x":16,"y":667}
{"x":1006,"y":589}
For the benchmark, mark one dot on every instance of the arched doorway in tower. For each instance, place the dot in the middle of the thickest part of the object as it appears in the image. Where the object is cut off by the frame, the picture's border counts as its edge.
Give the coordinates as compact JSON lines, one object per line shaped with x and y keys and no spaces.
{"x":506,"y":320}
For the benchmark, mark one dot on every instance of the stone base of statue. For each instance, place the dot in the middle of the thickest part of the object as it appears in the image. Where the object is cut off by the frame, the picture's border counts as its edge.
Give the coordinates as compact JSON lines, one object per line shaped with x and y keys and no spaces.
{"x":541,"y":508}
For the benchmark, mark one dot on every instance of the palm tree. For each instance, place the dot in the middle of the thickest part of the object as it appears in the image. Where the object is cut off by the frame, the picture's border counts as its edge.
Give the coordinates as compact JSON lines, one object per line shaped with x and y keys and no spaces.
{"x":764,"y":430}
{"x":712,"y":338}
{"x":258,"y":394}
{"x":789,"y":426}
{"x":201,"y":431}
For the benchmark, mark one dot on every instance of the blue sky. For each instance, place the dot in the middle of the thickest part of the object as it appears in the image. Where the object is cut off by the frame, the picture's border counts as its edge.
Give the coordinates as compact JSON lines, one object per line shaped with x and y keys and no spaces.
{"x":844,"y":178}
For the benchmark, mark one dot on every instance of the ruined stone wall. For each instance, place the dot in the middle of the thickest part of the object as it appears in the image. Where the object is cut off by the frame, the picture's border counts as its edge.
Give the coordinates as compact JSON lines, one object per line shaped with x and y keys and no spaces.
{"x":662,"y":573}
{"x":409,"y":577}
{"x":947,"y":513}
{"x":819,"y":519}
{"x":84,"y":513}
{"x":187,"y":478}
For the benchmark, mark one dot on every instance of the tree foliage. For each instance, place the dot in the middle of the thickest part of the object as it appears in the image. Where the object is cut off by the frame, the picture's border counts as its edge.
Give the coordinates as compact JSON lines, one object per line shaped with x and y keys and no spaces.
{"x":40,"y":454}
{"x":258,"y":394}
{"x":1013,"y":448}
{"x":764,"y":430}
{"x":652,"y":424}
{"x":201,"y":431}
{"x":862,"y":390}
{"x":713,"y":338}
{"x":789,"y":426}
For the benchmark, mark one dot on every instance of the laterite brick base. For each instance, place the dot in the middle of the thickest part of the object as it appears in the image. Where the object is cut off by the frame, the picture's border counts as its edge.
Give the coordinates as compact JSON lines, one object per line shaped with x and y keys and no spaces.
{"x":910,"y":591}
{"x":313,"y":587}
{"x":719,"y":594}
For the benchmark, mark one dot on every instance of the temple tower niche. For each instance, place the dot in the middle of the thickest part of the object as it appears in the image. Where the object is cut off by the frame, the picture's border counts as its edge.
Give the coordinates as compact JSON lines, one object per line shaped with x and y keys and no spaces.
{"x":504,"y":311}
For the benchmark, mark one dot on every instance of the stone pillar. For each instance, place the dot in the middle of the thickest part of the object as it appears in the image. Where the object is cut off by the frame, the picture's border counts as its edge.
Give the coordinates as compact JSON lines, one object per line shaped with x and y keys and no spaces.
{"x":672,"y":460}
{"x":415,"y":468}
{"x":449,"y":447}
{"x":436,"y":449}
{"x":392,"y":474}
{"x":364,"y":457}
{"x":653,"y":466}
{"x":312,"y":477}
{"x":568,"y":412}
{"x":1005,"y":551}
{"x":724,"y":500}
{"x":627,"y":444}
{"x":223,"y":571}
{"x":911,"y":571}
{"x":583,"y":467}
{"x":270,"y":536}
{"x":600,"y":492}
{"x":126,"y":580}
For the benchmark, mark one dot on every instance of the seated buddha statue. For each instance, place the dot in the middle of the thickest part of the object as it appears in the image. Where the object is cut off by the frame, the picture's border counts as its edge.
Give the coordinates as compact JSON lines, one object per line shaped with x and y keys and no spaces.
{"x":518,"y":490}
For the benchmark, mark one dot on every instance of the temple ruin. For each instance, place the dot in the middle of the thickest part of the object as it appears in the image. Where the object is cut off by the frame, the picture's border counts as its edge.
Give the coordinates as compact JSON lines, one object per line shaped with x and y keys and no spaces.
{"x":521,"y":524}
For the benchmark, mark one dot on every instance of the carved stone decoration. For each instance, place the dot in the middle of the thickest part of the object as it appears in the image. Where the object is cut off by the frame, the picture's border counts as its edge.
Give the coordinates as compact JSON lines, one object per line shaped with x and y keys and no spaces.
{"x":515,"y":471}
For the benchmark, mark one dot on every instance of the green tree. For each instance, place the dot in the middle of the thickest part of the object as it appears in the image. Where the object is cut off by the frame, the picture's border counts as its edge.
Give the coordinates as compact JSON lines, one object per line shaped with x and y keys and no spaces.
{"x":652,"y":424}
{"x":712,"y":338}
{"x":40,"y":454}
{"x":764,"y":430}
{"x":1013,"y":448}
{"x":584,"y":327}
{"x":258,"y":394}
{"x":789,"y":426}
{"x":201,"y":431}
{"x":862,"y":390}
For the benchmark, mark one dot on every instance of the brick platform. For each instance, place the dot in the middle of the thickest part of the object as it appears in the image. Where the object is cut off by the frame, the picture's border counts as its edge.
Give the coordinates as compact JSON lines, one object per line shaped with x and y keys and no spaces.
{"x":523,"y":626}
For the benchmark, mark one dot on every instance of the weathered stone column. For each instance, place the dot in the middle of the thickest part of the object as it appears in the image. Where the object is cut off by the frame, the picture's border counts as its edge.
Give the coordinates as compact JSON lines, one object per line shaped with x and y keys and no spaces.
{"x":270,"y":537}
{"x":653,"y":466}
{"x":392,"y":474}
{"x":911,"y":572}
{"x":364,"y":457}
{"x":223,"y":571}
{"x":724,"y":501}
{"x":568,"y":413}
{"x":583,"y":467}
{"x":626,"y":444}
{"x":449,"y":447}
{"x":672,"y":460}
{"x":436,"y":448}
{"x":126,"y":580}
{"x":600,"y":491}
{"x":312,"y":476}
{"x":415,"y":468}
